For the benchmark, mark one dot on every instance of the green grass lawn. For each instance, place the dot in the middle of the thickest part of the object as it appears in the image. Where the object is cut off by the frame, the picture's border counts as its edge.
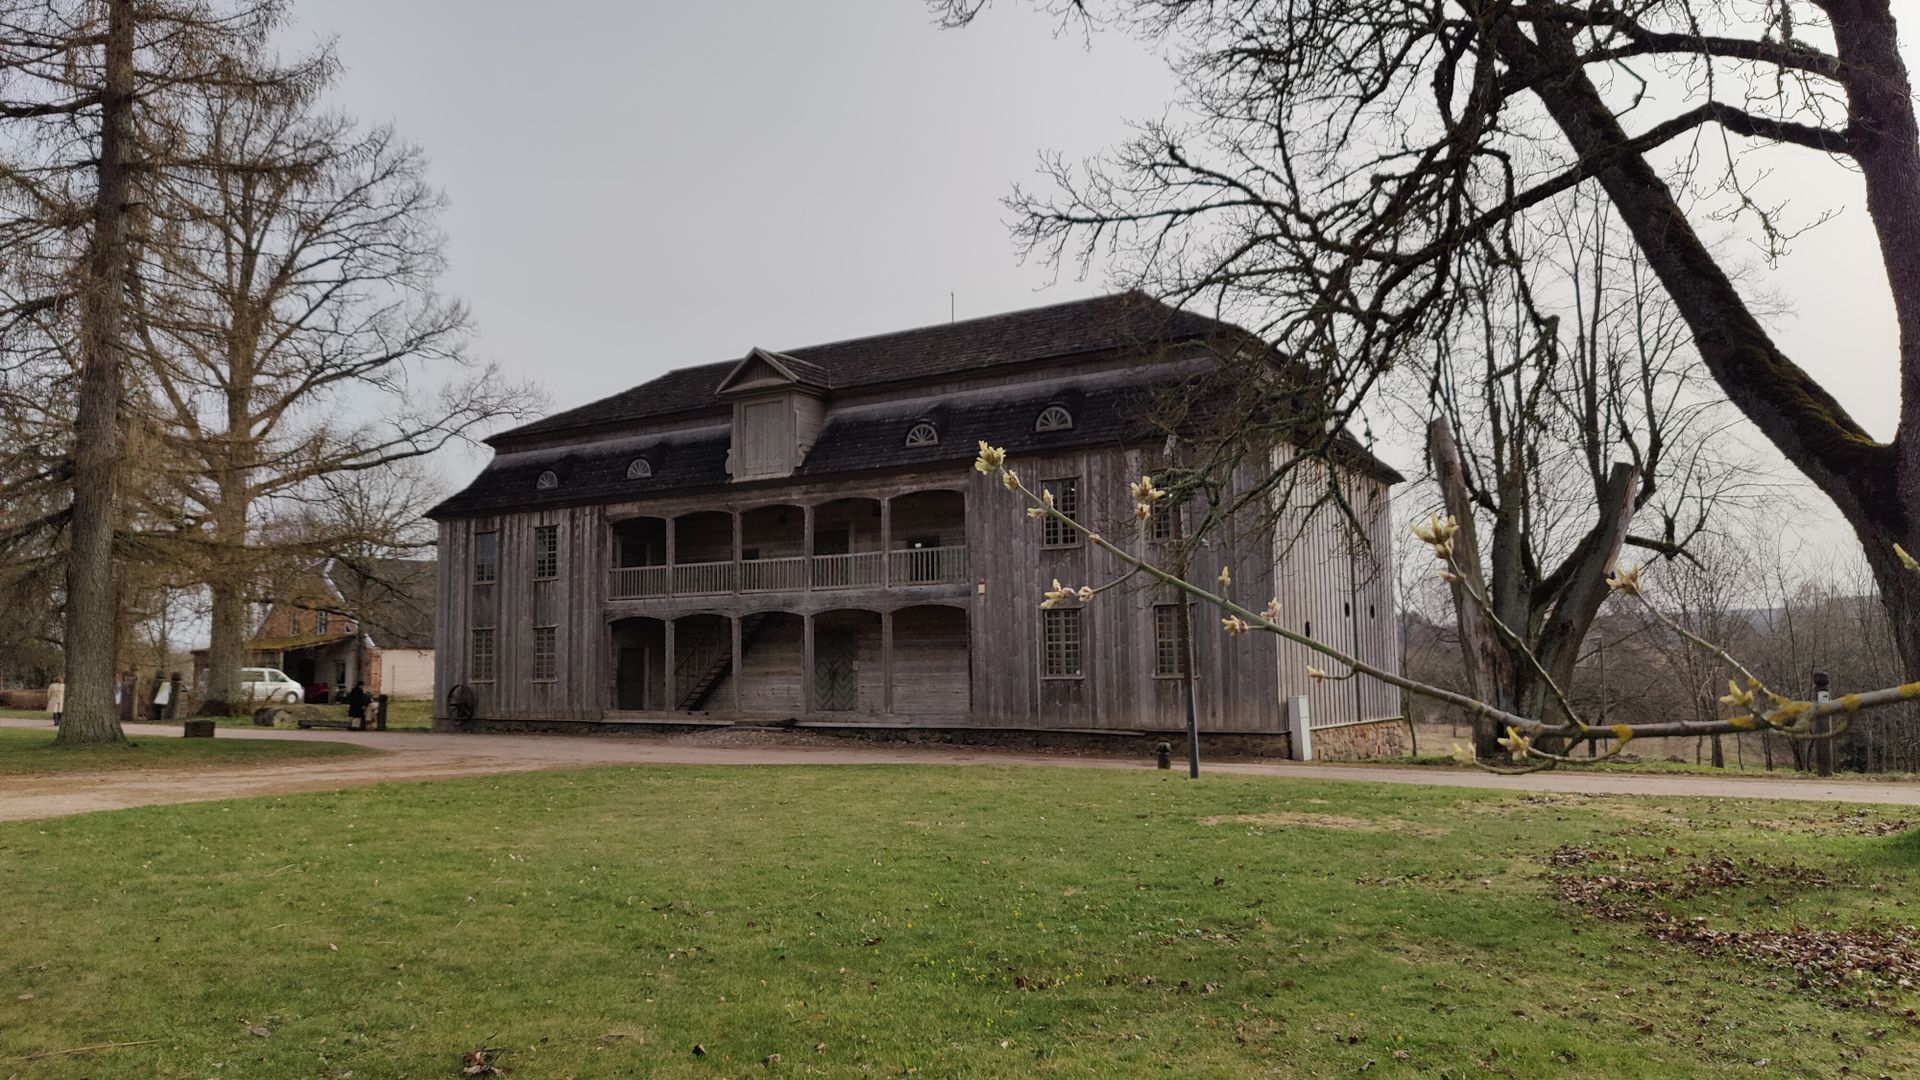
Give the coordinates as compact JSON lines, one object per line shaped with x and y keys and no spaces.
{"x":24,"y":751}
{"x":952,"y":922}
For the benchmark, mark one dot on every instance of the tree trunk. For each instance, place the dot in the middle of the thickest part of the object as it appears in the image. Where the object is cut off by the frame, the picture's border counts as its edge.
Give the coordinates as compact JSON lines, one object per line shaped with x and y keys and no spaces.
{"x":1489,"y":664}
{"x":226,"y":640}
{"x":90,"y":714}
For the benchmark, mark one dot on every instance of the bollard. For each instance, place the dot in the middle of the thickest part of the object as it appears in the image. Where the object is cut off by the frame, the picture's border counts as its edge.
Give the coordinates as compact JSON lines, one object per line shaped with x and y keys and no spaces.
{"x":380,"y":717}
{"x":1163,"y":755}
{"x":173,"y":697}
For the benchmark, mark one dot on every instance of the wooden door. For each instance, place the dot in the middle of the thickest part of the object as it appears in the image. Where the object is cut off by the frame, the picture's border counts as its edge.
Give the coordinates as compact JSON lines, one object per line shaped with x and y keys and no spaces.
{"x":836,"y":685}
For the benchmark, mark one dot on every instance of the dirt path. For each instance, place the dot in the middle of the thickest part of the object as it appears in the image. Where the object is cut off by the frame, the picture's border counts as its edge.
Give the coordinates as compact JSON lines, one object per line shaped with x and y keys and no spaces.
{"x":422,"y":756}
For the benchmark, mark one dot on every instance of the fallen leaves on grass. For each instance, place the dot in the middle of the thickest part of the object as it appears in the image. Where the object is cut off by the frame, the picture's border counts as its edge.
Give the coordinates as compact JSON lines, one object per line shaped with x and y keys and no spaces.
{"x":482,"y":1061}
{"x":1885,"y":956}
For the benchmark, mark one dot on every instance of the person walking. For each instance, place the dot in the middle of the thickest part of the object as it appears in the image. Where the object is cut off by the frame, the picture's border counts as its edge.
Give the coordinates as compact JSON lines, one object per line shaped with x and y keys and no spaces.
{"x":357,"y":707}
{"x":57,"y":699}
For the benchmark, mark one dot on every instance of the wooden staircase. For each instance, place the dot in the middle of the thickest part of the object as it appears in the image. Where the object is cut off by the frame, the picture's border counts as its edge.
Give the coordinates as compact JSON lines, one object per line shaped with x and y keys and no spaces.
{"x":712,"y":659}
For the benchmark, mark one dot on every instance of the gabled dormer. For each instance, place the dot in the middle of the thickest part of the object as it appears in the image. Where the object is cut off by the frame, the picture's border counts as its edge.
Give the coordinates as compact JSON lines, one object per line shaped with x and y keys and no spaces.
{"x":779,"y":404}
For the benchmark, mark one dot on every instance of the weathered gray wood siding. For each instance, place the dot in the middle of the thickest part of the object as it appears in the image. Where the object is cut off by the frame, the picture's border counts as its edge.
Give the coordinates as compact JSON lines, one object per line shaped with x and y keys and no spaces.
{"x":1337,"y":588}
{"x":1118,"y":689}
{"x":515,"y":603}
{"x":1316,"y":571}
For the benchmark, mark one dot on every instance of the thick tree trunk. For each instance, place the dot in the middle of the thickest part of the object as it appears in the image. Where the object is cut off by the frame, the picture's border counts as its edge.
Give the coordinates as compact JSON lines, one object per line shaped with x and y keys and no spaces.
{"x":226,"y":639}
{"x":1876,"y":487}
{"x":90,"y":713}
{"x":1488,"y":662}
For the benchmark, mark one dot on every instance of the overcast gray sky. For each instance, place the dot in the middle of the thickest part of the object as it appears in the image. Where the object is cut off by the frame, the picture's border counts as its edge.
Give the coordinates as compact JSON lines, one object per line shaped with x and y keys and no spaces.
{"x":640,"y":186}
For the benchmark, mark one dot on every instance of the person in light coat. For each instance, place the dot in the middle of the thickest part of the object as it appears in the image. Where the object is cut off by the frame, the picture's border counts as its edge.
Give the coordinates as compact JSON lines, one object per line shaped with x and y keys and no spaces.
{"x":57,"y":700}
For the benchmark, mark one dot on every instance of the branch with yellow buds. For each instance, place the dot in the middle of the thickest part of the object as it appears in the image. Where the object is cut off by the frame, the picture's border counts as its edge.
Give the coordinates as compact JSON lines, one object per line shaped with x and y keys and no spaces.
{"x":1790,"y":717}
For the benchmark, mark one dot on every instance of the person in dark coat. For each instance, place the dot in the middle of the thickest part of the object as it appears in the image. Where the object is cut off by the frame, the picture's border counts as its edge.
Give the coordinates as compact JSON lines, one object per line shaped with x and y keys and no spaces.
{"x":357,"y":706}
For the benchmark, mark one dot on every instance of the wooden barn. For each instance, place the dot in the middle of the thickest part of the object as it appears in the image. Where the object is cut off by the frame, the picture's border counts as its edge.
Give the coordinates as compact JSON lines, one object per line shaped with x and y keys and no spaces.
{"x":799,"y":537}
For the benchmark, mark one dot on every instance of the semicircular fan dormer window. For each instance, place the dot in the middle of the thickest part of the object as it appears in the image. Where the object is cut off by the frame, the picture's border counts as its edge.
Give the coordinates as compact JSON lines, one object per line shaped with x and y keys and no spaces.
{"x":1054,"y":418}
{"x":639,"y":469}
{"x":548,"y":481}
{"x":923,"y":434}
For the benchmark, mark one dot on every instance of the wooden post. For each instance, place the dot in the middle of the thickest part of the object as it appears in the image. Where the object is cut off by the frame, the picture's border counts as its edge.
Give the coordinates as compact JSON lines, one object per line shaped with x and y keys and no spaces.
{"x":886,"y":662}
{"x":1822,"y":748}
{"x":886,"y":542}
{"x":673,"y":530}
{"x":735,"y":620}
{"x":670,"y":686}
{"x":806,"y":662}
{"x":806,"y":546}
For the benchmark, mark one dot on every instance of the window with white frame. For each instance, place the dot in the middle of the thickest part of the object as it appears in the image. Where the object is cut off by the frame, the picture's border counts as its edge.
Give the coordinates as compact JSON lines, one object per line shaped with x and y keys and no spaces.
{"x":1169,"y":644}
{"x":1062,"y":644}
{"x":1165,"y":524}
{"x":546,"y":653}
{"x":548,"y":481}
{"x":486,"y":557}
{"x":546,"y":552}
{"x":1066,"y":499}
{"x":639,"y":469}
{"x":923,"y":434}
{"x":481,"y":667}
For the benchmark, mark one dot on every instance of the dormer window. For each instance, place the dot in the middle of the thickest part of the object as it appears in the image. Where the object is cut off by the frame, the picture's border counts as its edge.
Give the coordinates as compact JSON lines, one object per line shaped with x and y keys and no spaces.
{"x":1054,"y":418}
{"x":639,"y":469}
{"x":923,"y":434}
{"x":547,"y":482}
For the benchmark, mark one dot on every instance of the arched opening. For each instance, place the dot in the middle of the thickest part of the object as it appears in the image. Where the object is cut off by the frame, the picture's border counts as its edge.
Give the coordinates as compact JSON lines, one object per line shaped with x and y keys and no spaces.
{"x":700,"y":661}
{"x":929,"y":538}
{"x":639,"y":558}
{"x":932,"y":662}
{"x":703,"y":553}
{"x":639,"y":664}
{"x":849,"y":673}
{"x":846,"y":544}
{"x":773,"y":549}
{"x":772,"y":664}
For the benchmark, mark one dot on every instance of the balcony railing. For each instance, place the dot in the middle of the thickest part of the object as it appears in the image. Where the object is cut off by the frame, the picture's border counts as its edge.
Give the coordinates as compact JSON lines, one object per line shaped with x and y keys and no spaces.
{"x":927,"y":566}
{"x":630,"y":582}
{"x":702,"y":578}
{"x":774,"y":575}
{"x":861,"y":569}
{"x":856,"y":570}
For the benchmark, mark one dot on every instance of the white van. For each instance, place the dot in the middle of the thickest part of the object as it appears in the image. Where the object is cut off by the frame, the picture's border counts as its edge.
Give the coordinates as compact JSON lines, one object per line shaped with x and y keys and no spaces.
{"x":269,"y":684}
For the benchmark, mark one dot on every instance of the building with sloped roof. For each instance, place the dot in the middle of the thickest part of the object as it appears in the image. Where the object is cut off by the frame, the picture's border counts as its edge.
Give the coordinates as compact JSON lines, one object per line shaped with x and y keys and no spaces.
{"x":366,"y":620}
{"x":798,"y":536}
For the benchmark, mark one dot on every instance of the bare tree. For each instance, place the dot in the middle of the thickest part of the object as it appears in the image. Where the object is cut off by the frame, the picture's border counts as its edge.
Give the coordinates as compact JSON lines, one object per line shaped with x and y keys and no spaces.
{"x":295,"y":344}
{"x":1578,"y":383}
{"x":1332,"y":163}
{"x":86,"y":81}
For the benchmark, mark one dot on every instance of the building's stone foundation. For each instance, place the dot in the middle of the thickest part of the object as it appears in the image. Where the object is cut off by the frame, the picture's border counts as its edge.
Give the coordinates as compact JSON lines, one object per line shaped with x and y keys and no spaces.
{"x":1119,"y":744}
{"x":1360,"y":742}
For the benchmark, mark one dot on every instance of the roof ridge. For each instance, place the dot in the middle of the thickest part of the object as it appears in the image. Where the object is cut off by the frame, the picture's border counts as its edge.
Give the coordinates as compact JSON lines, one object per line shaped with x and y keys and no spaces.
{"x":857,"y":338}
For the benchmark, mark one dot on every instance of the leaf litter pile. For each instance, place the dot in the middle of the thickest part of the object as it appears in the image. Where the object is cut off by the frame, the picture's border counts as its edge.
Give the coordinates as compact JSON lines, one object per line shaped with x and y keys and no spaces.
{"x":1883,"y":957}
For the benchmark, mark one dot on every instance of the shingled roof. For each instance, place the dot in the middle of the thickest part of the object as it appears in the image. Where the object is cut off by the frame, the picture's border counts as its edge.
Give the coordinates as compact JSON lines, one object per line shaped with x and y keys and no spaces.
{"x":1126,"y":320}
{"x":393,"y":599}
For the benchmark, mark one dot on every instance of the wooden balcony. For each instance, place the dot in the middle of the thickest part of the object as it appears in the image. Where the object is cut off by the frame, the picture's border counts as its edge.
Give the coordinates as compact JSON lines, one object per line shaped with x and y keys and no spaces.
{"x":855,"y":570}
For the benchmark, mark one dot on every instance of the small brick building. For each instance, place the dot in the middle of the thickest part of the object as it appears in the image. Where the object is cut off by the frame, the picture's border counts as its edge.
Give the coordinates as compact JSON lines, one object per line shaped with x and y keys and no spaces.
{"x":352,"y":620}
